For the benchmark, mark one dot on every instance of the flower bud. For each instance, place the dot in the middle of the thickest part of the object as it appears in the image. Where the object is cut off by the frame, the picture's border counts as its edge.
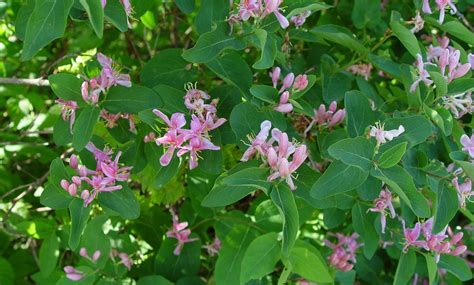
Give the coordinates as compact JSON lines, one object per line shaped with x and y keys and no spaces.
{"x":64,"y":184}
{"x":459,"y":250}
{"x":332,"y":107}
{"x":272,"y":157}
{"x":82,"y":170}
{"x":96,"y":255}
{"x":288,"y":81}
{"x":301,"y":82}
{"x":85,"y":195}
{"x":275,"y":75}
{"x":76,"y":180}
{"x":72,"y":189}
{"x":73,"y":161}
{"x":85,"y":91}
{"x":83,"y":252}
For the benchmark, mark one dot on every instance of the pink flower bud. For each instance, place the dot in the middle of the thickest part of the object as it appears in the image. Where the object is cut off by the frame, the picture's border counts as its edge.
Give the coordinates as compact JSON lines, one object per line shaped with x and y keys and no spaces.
{"x":459,"y":250}
{"x":337,"y":118}
{"x":288,"y":81}
{"x":301,"y":82}
{"x":285,"y":96}
{"x":275,"y":75}
{"x":82,"y":169}
{"x":73,"y":161}
{"x":332,"y":107}
{"x":64,"y":184}
{"x":85,"y":195}
{"x":284,"y":168}
{"x":272,"y":157}
{"x":72,"y":189}
{"x":83,"y":252}
{"x":76,"y":180}
{"x":85,"y":91}
{"x":96,"y":255}
{"x":284,"y":108}
{"x":457,"y":237}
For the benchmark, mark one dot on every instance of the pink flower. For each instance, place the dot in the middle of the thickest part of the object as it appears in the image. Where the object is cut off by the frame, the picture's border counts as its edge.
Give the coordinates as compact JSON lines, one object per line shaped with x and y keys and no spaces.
{"x":180,"y":233}
{"x":423,"y":74}
{"x":301,"y":82}
{"x":284,"y":106}
{"x":125,"y":260}
{"x":426,"y":7}
{"x":275,"y":75}
{"x":464,"y":191}
{"x":442,"y":6}
{"x":411,"y":236}
{"x":112,"y":170}
{"x":361,"y":69}
{"x":329,"y":118}
{"x":73,"y":161}
{"x":343,"y":256}
{"x":73,"y":274}
{"x":470,"y":59}
{"x":468,"y":144}
{"x":383,"y":136}
{"x":459,"y":105}
{"x":258,"y":144}
{"x":68,"y":112}
{"x":111,"y":76}
{"x":298,"y":20}
{"x":383,"y":202}
{"x":214,"y":247}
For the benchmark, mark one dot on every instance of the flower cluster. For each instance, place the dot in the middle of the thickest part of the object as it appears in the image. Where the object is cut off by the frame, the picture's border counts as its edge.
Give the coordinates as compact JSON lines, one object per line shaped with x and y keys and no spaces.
{"x":383,"y":202}
{"x":203,"y":120}
{"x":91,"y":90}
{"x":258,"y":10}
{"x":277,"y":157}
{"x":102,"y":179}
{"x":438,"y":243}
{"x":289,"y":85}
{"x":327,"y":118}
{"x":179,"y":232}
{"x":362,"y":69}
{"x":464,"y":190}
{"x":343,"y":256}
{"x":459,"y":104}
{"x":382,"y":136}
{"x":446,"y":58}
{"x":111,"y":119}
{"x":76,"y":275}
{"x":418,"y":23}
{"x":442,"y":5}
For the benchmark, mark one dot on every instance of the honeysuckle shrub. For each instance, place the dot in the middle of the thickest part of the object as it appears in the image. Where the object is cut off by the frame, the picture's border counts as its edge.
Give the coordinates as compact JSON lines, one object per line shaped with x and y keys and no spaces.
{"x":236,"y":142}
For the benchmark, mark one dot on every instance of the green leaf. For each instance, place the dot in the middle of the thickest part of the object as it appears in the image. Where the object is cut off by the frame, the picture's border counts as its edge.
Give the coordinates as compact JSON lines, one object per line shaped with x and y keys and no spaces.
{"x":260,"y":257}
{"x":364,"y":225}
{"x":210,"y":45}
{"x":268,"y":46}
{"x":212,"y":12}
{"x":314,"y":7}
{"x":122,"y":201}
{"x":285,"y":202}
{"x":417,"y":129}
{"x":359,"y":114}
{"x":233,"y":70}
{"x":460,"y":85}
{"x":172,"y":266}
{"x":306,"y":261}
{"x":442,"y":118}
{"x":115,"y":14}
{"x":446,"y":207}
{"x":334,"y":82}
{"x":234,"y":245}
{"x":84,"y":127}
{"x":62,"y":132}
{"x":407,"y":38}
{"x":22,"y":17}
{"x":7,"y":275}
{"x":231,"y":188}
{"x":167,"y":67}
{"x":456,"y":266}
{"x":172,"y":99}
{"x":96,"y":15}
{"x":398,"y":179}
{"x":366,"y":13}
{"x":432,"y":268}
{"x":341,"y":36}
{"x":47,"y":22}
{"x":153,"y":280}
{"x":94,"y":239}
{"x":54,"y":196}
{"x":49,"y":255}
{"x":386,"y":65}
{"x":338,"y":178}
{"x":454,"y":28}
{"x":131,"y":100}
{"x":79,"y":216}
{"x":354,"y":151}
{"x":265,"y":93}
{"x":468,"y":167}
{"x":186,"y":6}
{"x":392,"y":156}
{"x":406,"y":268}
{"x":66,"y":86}
{"x":440,"y":82}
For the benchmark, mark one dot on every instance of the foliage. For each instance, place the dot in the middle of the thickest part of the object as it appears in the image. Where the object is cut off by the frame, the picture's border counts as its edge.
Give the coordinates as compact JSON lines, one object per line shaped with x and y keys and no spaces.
{"x":241,"y":142}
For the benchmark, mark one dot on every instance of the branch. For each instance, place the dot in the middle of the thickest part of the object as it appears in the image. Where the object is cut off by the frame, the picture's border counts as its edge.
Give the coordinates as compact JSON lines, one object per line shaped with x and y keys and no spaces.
{"x":24,"y":81}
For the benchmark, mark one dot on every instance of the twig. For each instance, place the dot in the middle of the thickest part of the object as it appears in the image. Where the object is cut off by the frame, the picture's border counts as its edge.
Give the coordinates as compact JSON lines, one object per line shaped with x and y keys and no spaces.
{"x":24,"y":81}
